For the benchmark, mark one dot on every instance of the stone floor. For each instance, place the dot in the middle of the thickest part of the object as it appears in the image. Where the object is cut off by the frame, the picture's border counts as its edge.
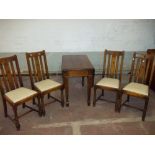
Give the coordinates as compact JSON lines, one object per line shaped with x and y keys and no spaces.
{"x":78,"y":118}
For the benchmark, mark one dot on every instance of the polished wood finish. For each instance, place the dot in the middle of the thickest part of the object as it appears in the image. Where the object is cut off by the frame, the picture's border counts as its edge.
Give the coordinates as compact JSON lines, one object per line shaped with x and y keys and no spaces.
{"x":10,"y":80}
{"x":152,"y":86}
{"x":113,"y":64}
{"x":139,"y":68}
{"x":112,"y":68}
{"x":139,"y":74}
{"x":38,"y":71}
{"x":77,"y":66}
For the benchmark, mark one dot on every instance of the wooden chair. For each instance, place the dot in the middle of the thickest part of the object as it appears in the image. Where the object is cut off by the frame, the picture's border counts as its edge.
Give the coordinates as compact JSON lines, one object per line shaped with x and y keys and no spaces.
{"x":137,"y":86}
{"x":112,"y":75}
{"x":12,"y":90}
{"x":152,"y":86}
{"x":39,"y":77}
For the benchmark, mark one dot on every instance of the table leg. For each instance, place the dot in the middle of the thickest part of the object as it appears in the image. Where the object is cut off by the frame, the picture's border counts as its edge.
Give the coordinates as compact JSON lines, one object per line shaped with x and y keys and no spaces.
{"x":82,"y":81}
{"x":66,"y":90}
{"x":89,"y":85}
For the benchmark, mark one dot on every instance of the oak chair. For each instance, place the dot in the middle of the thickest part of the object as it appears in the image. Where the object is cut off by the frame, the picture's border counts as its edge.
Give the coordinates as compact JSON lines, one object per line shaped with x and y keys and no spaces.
{"x":112,"y":75}
{"x":152,"y":86}
{"x":137,"y":86}
{"x":39,"y":77}
{"x":12,"y":90}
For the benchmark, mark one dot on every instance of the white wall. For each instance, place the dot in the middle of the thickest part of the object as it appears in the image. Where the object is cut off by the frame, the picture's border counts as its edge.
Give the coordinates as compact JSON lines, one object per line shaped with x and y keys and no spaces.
{"x":76,"y":35}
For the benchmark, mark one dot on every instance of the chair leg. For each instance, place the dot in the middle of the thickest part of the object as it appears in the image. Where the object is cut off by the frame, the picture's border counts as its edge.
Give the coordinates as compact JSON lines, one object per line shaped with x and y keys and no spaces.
{"x":5,"y":107}
{"x":120,"y":102}
{"x":43,"y":105}
{"x":94,"y":100}
{"x":82,"y":81}
{"x":23,"y":105}
{"x":117,"y":103}
{"x":16,"y":118}
{"x":145,"y":109}
{"x":48,"y":95}
{"x":39,"y":106}
{"x":102,"y":92}
{"x":62,"y":98}
{"x":34,"y":101}
{"x":128,"y":98}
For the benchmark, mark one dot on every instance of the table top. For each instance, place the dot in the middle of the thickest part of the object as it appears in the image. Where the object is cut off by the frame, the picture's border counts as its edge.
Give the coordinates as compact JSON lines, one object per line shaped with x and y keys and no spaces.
{"x":76,"y":62}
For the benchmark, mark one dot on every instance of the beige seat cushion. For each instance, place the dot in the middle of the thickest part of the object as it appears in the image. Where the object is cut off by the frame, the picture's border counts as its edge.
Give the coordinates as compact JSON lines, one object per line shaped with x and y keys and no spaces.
{"x":137,"y":88}
{"x":20,"y":94}
{"x":109,"y":82}
{"x":46,"y":85}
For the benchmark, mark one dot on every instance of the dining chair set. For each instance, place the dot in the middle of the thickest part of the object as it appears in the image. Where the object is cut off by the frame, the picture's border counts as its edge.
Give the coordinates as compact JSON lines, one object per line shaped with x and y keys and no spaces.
{"x":14,"y":93}
{"x":139,"y":81}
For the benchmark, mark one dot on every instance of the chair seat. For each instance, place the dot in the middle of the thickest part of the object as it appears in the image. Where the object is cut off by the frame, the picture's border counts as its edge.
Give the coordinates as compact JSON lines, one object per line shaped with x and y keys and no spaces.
{"x":20,"y":94}
{"x":137,"y":88}
{"x":109,"y":82}
{"x":47,"y":84}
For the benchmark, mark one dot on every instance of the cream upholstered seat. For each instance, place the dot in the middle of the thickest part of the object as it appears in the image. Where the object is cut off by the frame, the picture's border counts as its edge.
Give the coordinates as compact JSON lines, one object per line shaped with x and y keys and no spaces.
{"x":138,"y":88}
{"x":109,"y":82}
{"x":20,"y":94}
{"x":46,"y":85}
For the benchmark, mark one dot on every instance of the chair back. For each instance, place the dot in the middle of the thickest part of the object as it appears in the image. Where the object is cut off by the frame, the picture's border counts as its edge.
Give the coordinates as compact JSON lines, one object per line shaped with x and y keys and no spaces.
{"x":113,"y":64}
{"x":37,"y":66}
{"x":152,"y":52}
{"x":10,"y":78}
{"x":140,"y":68}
